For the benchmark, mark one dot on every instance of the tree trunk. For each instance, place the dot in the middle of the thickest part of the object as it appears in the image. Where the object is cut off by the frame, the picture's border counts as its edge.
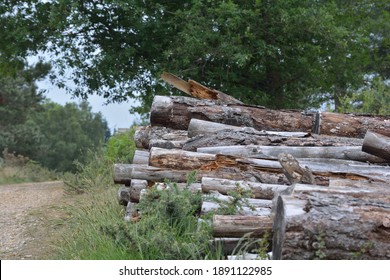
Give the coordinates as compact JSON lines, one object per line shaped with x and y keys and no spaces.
{"x":136,"y":186}
{"x":272,"y":152}
{"x":377,"y":144}
{"x":210,"y":206}
{"x":176,"y":112}
{"x":239,"y":226}
{"x":316,"y":225}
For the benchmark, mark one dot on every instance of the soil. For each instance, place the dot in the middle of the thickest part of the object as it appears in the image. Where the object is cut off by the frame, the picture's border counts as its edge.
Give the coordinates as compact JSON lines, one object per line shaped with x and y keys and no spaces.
{"x":30,"y":218}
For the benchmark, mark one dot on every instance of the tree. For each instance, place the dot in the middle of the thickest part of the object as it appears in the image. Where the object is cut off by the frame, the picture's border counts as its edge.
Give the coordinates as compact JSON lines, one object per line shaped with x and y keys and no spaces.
{"x":19,"y":97}
{"x":277,"y":53}
{"x":69,"y":132}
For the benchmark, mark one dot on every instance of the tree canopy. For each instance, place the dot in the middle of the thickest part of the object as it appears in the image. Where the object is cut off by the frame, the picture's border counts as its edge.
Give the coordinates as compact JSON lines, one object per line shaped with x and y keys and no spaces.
{"x":277,"y":53}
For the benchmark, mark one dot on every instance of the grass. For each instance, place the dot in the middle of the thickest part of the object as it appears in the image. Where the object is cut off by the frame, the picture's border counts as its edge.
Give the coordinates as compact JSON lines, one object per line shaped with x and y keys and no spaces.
{"x":29,"y":172}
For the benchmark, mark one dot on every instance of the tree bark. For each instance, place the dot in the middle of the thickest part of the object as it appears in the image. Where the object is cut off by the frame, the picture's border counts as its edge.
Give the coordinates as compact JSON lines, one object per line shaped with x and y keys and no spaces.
{"x":272,"y":152}
{"x":377,"y":144}
{"x":316,"y":225}
{"x":239,"y":226}
{"x":210,"y":206}
{"x":176,"y":112}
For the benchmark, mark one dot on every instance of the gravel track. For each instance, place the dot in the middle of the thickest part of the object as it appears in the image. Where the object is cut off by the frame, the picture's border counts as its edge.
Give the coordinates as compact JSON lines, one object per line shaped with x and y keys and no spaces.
{"x":27,"y":212}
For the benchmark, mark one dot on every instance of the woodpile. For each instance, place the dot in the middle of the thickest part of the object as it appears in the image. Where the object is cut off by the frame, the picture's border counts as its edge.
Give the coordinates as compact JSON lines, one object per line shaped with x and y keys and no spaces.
{"x":320,"y":182}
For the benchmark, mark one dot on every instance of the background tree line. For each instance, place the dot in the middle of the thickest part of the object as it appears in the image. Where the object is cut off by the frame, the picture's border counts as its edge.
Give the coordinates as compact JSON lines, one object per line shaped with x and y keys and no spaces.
{"x":277,"y":53}
{"x":51,"y":134}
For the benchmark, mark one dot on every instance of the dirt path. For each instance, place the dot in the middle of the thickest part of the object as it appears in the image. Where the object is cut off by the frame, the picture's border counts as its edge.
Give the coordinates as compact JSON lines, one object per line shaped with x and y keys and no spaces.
{"x":27,"y":219}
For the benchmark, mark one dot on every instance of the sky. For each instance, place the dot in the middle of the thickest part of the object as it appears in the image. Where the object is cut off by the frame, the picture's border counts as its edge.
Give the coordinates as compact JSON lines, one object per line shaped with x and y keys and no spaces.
{"x":116,"y":114}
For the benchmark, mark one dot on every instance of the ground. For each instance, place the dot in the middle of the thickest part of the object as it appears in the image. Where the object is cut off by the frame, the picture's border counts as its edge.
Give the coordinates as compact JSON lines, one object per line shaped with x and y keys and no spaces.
{"x":28,"y":215}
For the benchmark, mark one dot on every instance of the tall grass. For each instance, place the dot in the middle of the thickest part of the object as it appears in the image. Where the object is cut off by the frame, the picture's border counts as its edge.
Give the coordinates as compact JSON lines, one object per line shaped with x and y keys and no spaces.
{"x":168,"y":227}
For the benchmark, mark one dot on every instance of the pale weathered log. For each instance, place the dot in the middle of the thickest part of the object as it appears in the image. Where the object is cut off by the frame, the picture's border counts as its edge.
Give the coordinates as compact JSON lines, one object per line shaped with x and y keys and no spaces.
{"x":198,"y":90}
{"x":377,"y":144}
{"x":272,"y":152}
{"x":329,"y":168}
{"x":335,"y":182}
{"x":123,"y":195}
{"x":136,"y":186}
{"x":124,"y":173}
{"x":141,"y":157}
{"x":239,"y":226}
{"x":259,"y":190}
{"x":315,"y":225}
{"x":176,"y":112}
{"x":217,"y":196}
{"x":201,"y":127}
{"x":211,"y":206}
{"x":144,"y":136}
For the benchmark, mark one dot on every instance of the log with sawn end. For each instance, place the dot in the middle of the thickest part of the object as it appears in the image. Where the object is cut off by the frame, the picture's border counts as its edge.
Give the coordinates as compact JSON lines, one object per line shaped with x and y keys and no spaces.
{"x":377,"y":144}
{"x":177,"y":111}
{"x":309,"y":225}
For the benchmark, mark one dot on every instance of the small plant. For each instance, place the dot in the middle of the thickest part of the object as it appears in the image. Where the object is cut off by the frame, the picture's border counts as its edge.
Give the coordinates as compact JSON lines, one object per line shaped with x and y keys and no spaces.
{"x":319,"y":245}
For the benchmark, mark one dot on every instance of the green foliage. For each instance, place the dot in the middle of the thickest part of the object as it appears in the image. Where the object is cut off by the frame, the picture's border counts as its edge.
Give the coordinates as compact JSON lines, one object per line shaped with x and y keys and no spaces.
{"x":374,"y":99}
{"x":121,"y":147}
{"x":276,"y":53}
{"x":68,"y":133}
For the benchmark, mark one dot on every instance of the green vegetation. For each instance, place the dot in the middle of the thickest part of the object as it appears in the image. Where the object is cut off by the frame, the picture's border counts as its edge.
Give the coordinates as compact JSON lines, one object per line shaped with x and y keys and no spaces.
{"x":50,"y":134}
{"x":18,"y":169}
{"x":168,"y":227}
{"x":279,"y":53}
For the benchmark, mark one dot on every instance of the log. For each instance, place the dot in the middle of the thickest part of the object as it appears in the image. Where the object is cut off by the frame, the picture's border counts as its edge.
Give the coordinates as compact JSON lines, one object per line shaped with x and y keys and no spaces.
{"x":141,"y":157}
{"x":123,"y":195}
{"x":272,"y":152}
{"x":240,"y":226}
{"x":328,"y":168}
{"x":198,"y":90}
{"x":136,"y":186}
{"x":217,"y":196}
{"x":144,"y":135}
{"x":124,"y":173}
{"x":177,"y":111}
{"x":377,"y":144}
{"x":331,"y":226}
{"x":335,"y":182}
{"x":203,"y":163}
{"x":213,"y":207}
{"x":259,"y":190}
{"x":198,"y":127}
{"x":233,"y":137}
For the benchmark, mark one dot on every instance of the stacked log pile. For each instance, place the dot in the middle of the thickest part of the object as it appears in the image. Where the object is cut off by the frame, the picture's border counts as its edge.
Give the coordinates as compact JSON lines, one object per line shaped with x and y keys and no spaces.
{"x":319,"y":189}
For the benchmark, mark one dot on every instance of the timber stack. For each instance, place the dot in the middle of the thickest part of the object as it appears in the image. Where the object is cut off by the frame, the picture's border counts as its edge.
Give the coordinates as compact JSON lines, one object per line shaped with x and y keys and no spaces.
{"x":320,"y":182}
